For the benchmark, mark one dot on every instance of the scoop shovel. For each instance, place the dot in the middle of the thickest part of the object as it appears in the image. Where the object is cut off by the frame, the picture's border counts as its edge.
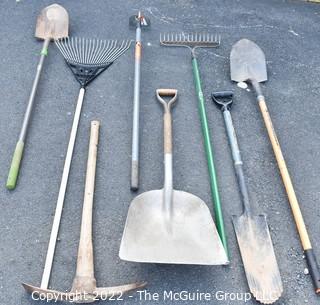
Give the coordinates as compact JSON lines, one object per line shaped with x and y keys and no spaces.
{"x":169,"y":226}
{"x":248,"y":63}
{"x":52,"y":23}
{"x":252,"y":230}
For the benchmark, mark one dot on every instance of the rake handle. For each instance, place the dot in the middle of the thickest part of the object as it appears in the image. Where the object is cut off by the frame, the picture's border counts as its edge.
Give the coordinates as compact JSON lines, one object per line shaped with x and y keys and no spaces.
{"x":209,"y":155}
{"x":294,"y":204}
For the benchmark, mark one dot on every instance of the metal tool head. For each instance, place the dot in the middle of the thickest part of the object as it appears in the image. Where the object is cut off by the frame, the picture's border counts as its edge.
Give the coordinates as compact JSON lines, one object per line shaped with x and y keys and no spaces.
{"x":139,"y":20}
{"x":247,"y":62}
{"x":258,"y":257}
{"x":81,"y":295}
{"x":53,"y":23}
{"x":191,"y":41}
{"x":223,"y":99}
{"x":88,"y":58}
{"x":189,"y":237}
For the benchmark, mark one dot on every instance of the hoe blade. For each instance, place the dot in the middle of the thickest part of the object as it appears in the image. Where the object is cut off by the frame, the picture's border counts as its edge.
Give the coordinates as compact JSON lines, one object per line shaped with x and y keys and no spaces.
{"x":258,"y":257}
{"x":247,"y":62}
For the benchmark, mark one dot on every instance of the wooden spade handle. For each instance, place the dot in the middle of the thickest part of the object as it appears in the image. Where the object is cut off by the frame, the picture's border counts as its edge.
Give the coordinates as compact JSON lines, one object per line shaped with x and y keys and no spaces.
{"x":306,"y":244}
{"x":285,"y":176}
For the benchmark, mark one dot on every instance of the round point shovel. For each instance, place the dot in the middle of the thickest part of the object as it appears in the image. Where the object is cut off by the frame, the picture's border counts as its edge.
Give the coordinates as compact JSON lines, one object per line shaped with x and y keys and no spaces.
{"x":52,"y":23}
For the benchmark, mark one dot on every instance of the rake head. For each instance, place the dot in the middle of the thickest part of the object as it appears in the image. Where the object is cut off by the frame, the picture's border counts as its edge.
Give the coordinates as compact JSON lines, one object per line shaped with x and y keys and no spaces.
{"x":87,"y":58}
{"x":191,"y":41}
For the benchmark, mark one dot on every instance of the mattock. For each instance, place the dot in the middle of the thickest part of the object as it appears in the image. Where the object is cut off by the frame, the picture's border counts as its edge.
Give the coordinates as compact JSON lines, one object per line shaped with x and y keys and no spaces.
{"x":84,"y":288}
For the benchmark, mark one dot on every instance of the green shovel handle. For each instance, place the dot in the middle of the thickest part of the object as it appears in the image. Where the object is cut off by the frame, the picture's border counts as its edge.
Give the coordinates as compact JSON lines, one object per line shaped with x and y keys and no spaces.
{"x":15,"y":165}
{"x":209,"y":154}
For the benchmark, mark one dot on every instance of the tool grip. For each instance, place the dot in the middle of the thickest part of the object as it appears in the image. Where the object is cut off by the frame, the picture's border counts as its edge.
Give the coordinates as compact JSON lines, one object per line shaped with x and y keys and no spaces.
{"x":313,"y":269}
{"x":167,"y":92}
{"x":15,"y":166}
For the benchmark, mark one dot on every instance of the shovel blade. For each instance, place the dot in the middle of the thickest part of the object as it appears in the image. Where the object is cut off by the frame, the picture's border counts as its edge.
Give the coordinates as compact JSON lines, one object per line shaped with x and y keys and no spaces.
{"x":258,"y":257}
{"x":187,"y":236}
{"x":247,"y":62}
{"x":53,"y":23}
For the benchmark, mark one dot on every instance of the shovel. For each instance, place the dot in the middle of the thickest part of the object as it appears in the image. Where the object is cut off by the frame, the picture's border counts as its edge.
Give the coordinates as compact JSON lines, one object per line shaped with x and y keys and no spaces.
{"x":252,"y":231}
{"x":52,"y":23}
{"x":248,"y":63}
{"x":169,"y":226}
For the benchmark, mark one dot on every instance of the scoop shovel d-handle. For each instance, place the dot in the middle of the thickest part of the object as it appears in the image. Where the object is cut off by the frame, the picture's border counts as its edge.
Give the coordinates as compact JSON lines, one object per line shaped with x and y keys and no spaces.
{"x":52,"y":23}
{"x":84,"y":288}
{"x":167,"y":140}
{"x":248,"y":64}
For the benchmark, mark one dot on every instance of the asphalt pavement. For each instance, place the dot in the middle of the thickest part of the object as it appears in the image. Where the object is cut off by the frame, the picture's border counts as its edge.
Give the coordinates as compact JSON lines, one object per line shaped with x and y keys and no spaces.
{"x":288,"y":33}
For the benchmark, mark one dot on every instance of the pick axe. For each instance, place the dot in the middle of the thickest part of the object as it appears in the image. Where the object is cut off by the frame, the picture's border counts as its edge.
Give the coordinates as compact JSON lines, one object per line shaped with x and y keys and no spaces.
{"x":84,"y":288}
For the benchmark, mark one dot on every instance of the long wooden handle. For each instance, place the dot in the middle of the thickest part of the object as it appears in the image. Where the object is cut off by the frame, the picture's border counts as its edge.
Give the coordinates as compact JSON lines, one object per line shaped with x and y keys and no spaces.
{"x":85,"y":264}
{"x":285,"y":177}
{"x":306,"y":244}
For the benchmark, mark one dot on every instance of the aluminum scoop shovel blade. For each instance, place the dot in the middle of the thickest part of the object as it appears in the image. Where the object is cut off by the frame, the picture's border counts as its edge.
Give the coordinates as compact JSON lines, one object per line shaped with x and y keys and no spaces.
{"x":169,"y":226}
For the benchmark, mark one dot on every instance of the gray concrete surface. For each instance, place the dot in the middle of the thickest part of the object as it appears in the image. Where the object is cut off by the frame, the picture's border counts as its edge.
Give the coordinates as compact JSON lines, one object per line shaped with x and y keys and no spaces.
{"x":287,"y":31}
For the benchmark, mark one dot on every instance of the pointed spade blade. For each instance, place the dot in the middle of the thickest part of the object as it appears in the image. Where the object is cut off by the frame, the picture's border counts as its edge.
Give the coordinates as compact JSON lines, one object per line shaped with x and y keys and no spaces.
{"x":247,"y":61}
{"x":258,"y":257}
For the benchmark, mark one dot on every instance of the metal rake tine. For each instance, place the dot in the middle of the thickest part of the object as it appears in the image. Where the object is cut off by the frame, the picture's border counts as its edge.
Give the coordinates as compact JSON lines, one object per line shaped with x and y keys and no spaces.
{"x":86,"y":52}
{"x":69,"y":43}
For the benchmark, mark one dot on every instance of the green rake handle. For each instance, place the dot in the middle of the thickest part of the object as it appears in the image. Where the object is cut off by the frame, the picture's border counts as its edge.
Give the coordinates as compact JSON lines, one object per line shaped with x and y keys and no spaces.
{"x":209,"y":154}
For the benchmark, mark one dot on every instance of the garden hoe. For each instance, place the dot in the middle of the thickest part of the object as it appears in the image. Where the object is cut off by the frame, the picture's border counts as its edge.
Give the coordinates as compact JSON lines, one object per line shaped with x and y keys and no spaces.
{"x":84,"y":289}
{"x":248,"y":63}
{"x":252,"y":231}
{"x":138,"y":22}
{"x":169,"y":226}
{"x":52,"y":23}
